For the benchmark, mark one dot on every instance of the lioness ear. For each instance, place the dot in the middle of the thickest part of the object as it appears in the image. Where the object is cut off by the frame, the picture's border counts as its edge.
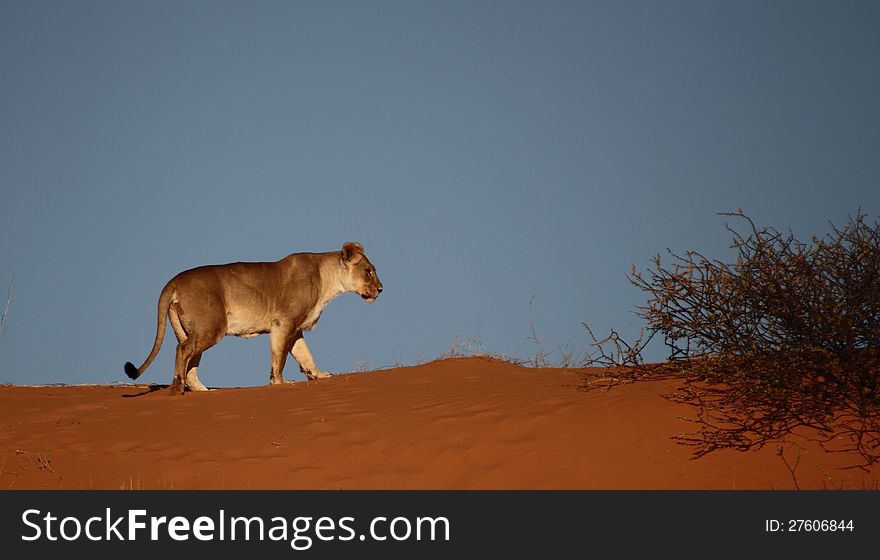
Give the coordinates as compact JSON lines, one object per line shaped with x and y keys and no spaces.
{"x":350,"y":250}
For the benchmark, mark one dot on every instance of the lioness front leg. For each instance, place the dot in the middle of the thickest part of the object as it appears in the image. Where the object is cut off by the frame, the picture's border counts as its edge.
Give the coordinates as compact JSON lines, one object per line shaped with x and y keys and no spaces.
{"x":306,"y":362}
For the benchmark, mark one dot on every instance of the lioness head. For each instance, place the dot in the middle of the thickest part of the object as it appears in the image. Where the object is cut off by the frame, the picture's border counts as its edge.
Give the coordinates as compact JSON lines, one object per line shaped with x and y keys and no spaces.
{"x":360,"y":274}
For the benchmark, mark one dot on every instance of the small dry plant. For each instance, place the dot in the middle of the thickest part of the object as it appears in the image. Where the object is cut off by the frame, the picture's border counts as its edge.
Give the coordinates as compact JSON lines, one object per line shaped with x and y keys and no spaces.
{"x":562,"y":357}
{"x":462,"y":347}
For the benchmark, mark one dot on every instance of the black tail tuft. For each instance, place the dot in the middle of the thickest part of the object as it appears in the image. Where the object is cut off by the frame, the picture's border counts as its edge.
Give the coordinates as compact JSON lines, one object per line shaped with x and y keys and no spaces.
{"x":131,"y":371}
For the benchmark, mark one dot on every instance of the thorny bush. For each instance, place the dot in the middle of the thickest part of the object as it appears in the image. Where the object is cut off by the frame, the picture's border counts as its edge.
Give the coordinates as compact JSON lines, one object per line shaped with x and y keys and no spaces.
{"x":787,"y":335}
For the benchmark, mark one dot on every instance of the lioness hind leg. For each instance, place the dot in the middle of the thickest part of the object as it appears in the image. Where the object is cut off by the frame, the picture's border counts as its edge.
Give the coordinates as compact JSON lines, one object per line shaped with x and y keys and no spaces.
{"x":193,"y":383}
{"x":303,"y":355}
{"x":187,"y":351}
{"x":279,"y":345}
{"x":192,"y":376}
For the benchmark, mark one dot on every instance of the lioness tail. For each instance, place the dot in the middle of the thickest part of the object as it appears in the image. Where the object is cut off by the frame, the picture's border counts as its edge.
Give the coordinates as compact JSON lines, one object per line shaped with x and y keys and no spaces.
{"x":164,"y":302}
{"x":131,"y":371}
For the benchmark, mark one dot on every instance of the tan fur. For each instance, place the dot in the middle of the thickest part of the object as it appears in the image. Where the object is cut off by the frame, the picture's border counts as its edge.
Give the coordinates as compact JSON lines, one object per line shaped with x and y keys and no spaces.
{"x":282,"y":298}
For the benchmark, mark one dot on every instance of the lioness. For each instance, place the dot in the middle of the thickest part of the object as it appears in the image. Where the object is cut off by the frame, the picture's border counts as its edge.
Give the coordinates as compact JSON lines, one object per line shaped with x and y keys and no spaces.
{"x":282,"y":298}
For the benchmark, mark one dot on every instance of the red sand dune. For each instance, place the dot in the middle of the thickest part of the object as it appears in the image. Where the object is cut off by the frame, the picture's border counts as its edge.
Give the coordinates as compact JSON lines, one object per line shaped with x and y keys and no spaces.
{"x":470,"y":423}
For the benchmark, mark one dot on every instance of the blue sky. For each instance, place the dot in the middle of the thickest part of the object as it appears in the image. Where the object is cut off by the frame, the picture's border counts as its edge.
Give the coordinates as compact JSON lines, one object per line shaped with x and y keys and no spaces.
{"x":482,"y":152}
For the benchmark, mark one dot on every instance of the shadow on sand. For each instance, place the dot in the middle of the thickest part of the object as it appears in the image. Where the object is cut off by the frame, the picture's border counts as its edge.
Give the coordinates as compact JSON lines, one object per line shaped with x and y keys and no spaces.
{"x":151,"y":389}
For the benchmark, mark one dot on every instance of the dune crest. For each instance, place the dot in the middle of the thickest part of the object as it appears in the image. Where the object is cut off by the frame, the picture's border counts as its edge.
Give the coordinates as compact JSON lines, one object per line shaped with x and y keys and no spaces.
{"x":467,"y":423}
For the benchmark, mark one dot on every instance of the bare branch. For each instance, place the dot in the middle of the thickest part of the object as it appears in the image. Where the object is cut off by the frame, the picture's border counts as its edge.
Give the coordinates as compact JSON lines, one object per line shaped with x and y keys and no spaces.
{"x":5,"y":314}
